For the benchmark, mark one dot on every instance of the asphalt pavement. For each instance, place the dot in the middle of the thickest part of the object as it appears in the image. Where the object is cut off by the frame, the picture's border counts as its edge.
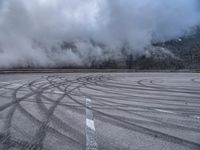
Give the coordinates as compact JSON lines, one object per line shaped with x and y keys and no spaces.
{"x":100,"y":111}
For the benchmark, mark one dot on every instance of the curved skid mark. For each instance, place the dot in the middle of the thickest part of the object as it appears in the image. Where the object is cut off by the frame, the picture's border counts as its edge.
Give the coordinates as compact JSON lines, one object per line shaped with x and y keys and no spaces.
{"x":71,"y":88}
{"x":49,"y":115}
{"x":129,"y":125}
{"x":49,"y":129}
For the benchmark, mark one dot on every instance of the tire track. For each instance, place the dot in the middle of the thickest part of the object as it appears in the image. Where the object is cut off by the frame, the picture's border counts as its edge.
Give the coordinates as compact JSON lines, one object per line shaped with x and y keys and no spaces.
{"x":49,"y":115}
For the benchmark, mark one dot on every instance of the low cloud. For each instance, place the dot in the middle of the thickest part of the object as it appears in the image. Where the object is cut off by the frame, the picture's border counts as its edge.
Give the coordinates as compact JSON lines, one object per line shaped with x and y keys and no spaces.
{"x":32,"y":32}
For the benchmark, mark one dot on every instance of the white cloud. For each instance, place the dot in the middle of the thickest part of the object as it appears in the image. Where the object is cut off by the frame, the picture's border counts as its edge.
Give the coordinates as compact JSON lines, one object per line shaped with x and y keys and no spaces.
{"x":23,"y":23}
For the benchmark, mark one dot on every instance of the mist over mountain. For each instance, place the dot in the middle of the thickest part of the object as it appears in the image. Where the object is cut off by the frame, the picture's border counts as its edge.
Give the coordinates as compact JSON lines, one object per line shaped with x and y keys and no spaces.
{"x":61,"y":33}
{"x":185,"y":48}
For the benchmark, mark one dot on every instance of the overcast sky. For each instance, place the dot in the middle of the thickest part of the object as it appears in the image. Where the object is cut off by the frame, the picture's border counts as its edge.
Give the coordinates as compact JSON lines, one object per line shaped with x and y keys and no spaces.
{"x":25,"y":23}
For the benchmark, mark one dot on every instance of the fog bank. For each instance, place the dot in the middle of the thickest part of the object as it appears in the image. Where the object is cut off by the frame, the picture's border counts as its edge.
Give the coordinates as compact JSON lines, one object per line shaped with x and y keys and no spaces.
{"x":32,"y":32}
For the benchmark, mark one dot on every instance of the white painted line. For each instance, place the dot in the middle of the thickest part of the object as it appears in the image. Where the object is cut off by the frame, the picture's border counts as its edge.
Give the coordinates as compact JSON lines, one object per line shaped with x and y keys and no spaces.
{"x":14,"y":85}
{"x":58,"y":92}
{"x":88,"y":100}
{"x":90,"y":124}
{"x":91,"y":143}
{"x":12,"y":81}
{"x":42,"y":82}
{"x":165,"y":111}
{"x":4,"y":82}
{"x":197,"y":117}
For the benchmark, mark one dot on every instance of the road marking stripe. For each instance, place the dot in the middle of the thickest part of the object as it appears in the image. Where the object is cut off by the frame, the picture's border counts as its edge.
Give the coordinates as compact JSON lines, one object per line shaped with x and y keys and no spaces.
{"x":91,"y":143}
{"x":88,"y":100}
{"x":4,"y":82}
{"x":165,"y":111}
{"x":90,"y":124}
{"x":58,"y":92}
{"x":13,"y":85}
{"x":196,"y":117}
{"x":12,"y":81}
